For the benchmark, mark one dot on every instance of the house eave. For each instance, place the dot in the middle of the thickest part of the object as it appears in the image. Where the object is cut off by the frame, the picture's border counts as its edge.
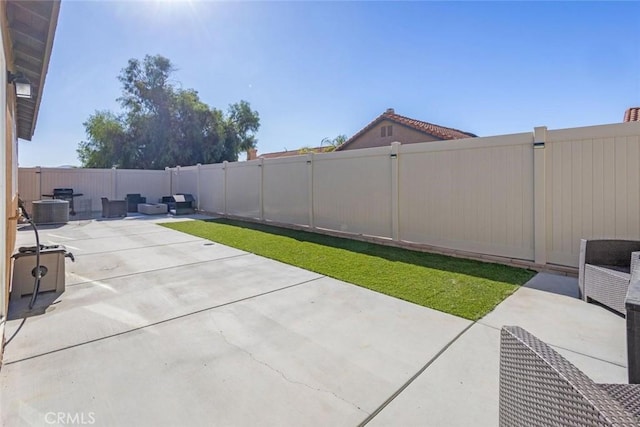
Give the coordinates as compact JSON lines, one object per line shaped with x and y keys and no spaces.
{"x":32,"y":26}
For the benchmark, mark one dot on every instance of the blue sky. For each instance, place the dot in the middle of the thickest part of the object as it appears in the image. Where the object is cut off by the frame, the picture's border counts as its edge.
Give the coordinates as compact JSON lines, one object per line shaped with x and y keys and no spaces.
{"x":319,"y":69}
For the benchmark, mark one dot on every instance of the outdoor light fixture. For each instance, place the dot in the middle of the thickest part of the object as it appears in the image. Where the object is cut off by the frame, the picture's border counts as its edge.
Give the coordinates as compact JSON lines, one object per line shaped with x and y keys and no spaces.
{"x":22,"y":84}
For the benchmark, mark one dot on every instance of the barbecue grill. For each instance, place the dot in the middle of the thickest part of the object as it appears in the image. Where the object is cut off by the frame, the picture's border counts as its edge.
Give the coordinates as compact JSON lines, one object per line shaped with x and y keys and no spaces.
{"x":180,"y":204}
{"x":64,"y":194}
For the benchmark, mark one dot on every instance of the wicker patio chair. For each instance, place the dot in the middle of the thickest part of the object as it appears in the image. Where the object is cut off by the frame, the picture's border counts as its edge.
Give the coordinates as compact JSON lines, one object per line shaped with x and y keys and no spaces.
{"x":133,"y":200}
{"x":606,"y":268}
{"x":539,"y":387}
{"x":632,"y":303}
{"x":113,"y":208}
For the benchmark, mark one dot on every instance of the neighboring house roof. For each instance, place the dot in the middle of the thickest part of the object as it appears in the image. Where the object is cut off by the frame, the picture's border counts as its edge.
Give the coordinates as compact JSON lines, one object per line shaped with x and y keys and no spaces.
{"x":32,"y":25}
{"x":632,"y":114}
{"x":440,"y":132}
{"x":290,"y":153}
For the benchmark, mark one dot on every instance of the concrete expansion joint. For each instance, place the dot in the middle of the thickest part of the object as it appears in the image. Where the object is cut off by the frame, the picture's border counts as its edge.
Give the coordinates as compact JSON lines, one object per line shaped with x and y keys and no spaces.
{"x":416,"y":375}
{"x":155,"y":270}
{"x":488,"y":325}
{"x":555,"y":346}
{"x":160,"y":245}
{"x":282,"y":374}
{"x":160,"y":322}
{"x":81,"y":239}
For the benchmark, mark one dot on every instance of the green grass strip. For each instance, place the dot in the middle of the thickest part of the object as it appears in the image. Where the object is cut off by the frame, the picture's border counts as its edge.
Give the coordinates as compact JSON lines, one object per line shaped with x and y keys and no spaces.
{"x":461,"y":287}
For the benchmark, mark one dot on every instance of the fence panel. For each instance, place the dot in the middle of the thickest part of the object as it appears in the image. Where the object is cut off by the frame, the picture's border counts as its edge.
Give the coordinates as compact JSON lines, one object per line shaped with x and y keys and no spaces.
{"x":152,"y":184}
{"x":91,"y":183}
{"x":243,"y":188}
{"x":212,"y":188}
{"x":352,"y":191}
{"x":28,"y":185}
{"x":473,"y":195}
{"x":184,"y":180}
{"x":592,"y":187}
{"x":286,"y":190}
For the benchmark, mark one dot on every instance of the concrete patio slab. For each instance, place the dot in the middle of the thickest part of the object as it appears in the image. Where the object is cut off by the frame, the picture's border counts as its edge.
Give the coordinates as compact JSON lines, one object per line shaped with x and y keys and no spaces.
{"x":564,"y":322}
{"x":461,"y":387}
{"x":386,"y":338}
{"x":322,"y":353}
{"x":160,"y":328}
{"x":124,"y":241}
{"x":102,"y":308}
{"x":109,"y":264}
{"x":95,"y":236}
{"x":197,"y":377}
{"x":458,"y":389}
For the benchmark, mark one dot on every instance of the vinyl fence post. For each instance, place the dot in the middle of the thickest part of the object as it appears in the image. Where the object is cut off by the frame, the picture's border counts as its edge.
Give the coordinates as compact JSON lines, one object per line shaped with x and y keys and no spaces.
{"x":539,"y":196}
{"x":198,"y":186}
{"x":261,"y":207}
{"x":310,"y":189}
{"x":177,"y":187}
{"x":168,"y":179}
{"x":38,"y":182}
{"x":114,"y":183}
{"x":224,"y":187}
{"x":395,"y":218}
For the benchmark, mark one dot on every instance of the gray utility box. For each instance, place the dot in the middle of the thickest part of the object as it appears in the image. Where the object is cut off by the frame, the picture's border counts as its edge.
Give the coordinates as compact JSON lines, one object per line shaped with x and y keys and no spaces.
{"x":24,"y":269}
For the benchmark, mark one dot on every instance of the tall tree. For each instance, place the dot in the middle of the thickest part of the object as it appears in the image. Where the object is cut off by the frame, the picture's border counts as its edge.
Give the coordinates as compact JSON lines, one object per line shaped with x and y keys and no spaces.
{"x":164,"y":125}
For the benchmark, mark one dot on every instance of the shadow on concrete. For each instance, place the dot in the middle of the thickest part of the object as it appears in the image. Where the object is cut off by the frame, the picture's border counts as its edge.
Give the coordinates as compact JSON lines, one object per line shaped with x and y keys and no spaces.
{"x":19,"y":306}
{"x":556,"y":284}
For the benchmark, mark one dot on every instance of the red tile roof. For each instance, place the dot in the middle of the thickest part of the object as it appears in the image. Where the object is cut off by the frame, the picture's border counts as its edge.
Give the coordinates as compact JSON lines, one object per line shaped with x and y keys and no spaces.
{"x":431,"y":129}
{"x":632,"y":114}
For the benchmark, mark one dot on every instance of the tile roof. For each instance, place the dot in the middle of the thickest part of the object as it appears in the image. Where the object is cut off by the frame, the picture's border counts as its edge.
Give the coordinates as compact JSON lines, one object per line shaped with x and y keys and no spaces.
{"x":632,"y":114}
{"x":290,"y":153}
{"x":438,"y":131}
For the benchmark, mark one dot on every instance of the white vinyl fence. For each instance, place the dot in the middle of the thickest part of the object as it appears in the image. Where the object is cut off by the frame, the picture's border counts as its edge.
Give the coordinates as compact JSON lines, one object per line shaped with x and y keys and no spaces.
{"x":529,"y":196}
{"x":592,"y":187}
{"x":473,"y":195}
{"x":93,"y":184}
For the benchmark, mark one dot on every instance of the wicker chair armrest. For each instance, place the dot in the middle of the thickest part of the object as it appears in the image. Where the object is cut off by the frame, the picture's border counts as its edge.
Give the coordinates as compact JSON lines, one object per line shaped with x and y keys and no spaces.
{"x":581,"y":264}
{"x":609,"y":252}
{"x":540,"y":387}
{"x":635,"y":266}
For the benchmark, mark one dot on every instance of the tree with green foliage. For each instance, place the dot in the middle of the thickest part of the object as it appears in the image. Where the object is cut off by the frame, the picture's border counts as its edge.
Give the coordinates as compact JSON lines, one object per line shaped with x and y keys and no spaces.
{"x":164,"y":125}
